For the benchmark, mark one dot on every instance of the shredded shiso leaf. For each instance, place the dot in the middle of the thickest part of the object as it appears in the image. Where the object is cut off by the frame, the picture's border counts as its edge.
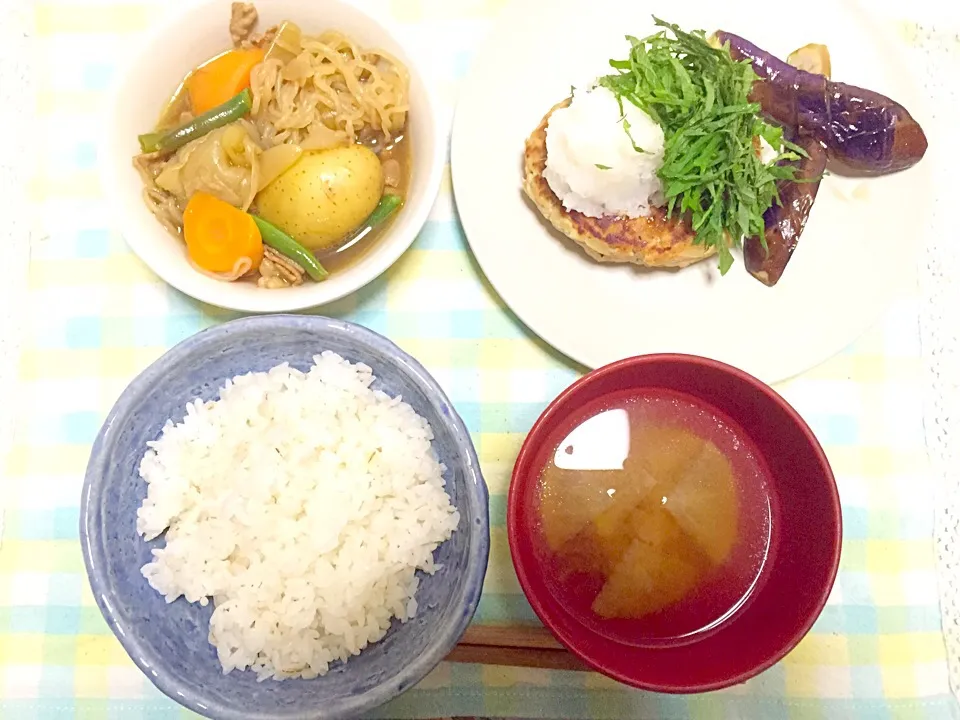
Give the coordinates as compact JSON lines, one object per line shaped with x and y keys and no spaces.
{"x":698,"y":94}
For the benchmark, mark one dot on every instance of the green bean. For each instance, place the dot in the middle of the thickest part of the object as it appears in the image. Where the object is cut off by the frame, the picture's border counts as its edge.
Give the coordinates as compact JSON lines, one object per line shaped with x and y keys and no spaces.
{"x":169,"y":140}
{"x":286,"y":245}
{"x":388,"y":205}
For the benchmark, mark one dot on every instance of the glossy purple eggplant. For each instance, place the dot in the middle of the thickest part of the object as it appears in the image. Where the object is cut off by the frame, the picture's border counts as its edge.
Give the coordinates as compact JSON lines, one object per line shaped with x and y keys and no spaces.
{"x":784,"y":222}
{"x":864,"y":132}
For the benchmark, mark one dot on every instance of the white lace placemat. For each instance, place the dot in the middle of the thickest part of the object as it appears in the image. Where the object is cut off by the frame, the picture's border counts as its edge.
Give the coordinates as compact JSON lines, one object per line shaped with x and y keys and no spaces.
{"x":938,"y":52}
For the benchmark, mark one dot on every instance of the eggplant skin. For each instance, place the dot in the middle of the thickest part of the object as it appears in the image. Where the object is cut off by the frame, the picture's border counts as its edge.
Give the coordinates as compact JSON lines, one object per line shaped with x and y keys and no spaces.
{"x":784,"y":222}
{"x":865,"y":133}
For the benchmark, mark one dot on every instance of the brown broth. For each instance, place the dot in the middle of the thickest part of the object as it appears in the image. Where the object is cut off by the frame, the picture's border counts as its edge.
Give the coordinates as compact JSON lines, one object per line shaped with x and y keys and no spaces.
{"x":655,"y":518}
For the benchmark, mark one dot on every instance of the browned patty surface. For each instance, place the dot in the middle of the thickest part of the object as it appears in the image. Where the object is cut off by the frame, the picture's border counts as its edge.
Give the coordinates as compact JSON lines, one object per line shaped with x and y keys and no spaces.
{"x":652,"y":240}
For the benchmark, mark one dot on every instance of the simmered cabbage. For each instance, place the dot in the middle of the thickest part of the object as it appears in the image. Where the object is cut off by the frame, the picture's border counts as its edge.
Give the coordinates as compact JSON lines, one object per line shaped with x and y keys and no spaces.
{"x":223,"y":163}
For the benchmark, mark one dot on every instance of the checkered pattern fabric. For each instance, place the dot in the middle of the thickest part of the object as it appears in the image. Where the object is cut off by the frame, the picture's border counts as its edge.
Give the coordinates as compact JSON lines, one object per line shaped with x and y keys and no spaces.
{"x":97,"y":316}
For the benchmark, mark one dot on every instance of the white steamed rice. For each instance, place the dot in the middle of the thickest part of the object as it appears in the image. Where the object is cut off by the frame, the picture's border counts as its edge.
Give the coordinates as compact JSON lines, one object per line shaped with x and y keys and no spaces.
{"x":303,"y":504}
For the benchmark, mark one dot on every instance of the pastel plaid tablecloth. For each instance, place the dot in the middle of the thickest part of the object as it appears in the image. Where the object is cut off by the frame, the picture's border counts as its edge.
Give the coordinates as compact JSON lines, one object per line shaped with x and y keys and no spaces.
{"x":95,"y":317}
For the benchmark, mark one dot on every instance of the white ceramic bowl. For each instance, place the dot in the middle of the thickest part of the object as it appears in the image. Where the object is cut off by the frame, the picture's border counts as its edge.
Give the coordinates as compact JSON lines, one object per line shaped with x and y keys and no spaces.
{"x":186,"y":39}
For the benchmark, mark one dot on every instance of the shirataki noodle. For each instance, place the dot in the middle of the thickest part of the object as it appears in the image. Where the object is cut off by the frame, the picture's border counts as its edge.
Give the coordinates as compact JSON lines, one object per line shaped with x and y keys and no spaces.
{"x":241,"y":267}
{"x":329,"y":94}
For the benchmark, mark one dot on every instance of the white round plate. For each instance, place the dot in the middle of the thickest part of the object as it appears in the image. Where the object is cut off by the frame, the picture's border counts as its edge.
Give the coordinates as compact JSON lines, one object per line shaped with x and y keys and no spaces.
{"x":858,"y":248}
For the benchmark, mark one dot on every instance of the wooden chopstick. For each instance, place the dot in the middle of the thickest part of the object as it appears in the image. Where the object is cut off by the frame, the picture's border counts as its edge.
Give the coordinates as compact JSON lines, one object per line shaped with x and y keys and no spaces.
{"x":516,"y":657}
{"x":517,"y":636}
{"x":518,"y":646}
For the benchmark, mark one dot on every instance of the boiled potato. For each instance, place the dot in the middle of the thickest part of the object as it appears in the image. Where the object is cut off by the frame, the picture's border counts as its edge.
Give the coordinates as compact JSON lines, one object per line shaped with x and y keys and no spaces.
{"x":324,"y":196}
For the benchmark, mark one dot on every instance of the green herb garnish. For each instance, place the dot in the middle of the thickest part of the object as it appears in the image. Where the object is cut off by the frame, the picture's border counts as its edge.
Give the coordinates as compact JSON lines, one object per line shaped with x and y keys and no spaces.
{"x":601,"y":167}
{"x":711,"y":169}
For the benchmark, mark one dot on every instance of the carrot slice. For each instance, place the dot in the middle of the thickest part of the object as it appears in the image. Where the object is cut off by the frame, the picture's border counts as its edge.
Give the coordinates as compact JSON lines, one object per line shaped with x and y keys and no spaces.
{"x":219,"y":236}
{"x":218,"y":80}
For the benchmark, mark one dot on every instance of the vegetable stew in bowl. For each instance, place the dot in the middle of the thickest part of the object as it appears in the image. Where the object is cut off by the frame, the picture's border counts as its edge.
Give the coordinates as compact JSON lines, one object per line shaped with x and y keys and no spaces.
{"x":283,"y":158}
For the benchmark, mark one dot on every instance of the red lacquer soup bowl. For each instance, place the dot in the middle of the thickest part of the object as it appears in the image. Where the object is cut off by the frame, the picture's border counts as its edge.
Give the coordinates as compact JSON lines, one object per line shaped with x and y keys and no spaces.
{"x":801,"y":529}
